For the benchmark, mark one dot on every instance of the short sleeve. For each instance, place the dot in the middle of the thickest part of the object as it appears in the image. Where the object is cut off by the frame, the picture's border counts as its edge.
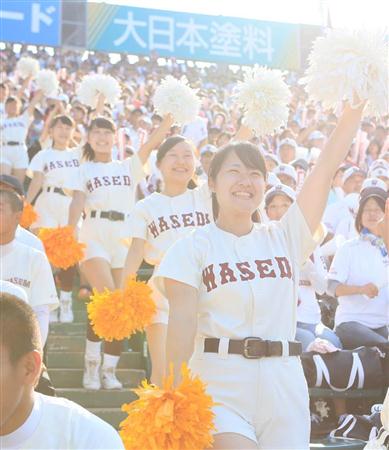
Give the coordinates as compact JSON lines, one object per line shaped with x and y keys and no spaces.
{"x":300,"y":241}
{"x":43,"y":291}
{"x":339,"y":269}
{"x":77,"y":181}
{"x":180,"y":263}
{"x":37,"y":163}
{"x":136,"y":168}
{"x":138,"y":222}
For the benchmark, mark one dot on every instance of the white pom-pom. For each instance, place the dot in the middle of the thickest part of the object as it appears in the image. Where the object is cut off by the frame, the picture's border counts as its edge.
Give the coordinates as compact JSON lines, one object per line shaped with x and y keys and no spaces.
{"x":46,"y":80}
{"x":93,"y":85}
{"x":264,"y":96}
{"x":177,"y":98}
{"x":27,"y":67}
{"x":349,"y":65}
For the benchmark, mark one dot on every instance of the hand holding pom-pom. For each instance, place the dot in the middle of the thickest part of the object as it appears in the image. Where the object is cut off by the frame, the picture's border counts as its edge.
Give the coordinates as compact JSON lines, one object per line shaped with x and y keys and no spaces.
{"x":93,"y":85}
{"x":170,"y":418}
{"x":118,"y":314}
{"x":27,"y":67}
{"x":176,"y":97}
{"x":264,"y":97}
{"x":61,"y":247}
{"x":47,"y":82}
{"x":29,"y":216}
{"x":352,"y":66}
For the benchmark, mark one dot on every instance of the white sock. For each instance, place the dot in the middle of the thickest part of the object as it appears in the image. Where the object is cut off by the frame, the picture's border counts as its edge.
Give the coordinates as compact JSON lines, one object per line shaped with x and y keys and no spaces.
{"x":93,"y":350}
{"x":110,"y":361}
{"x":65,"y":296}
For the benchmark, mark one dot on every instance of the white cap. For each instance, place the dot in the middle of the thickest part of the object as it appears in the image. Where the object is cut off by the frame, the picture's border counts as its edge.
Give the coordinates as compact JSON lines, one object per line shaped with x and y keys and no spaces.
{"x":288,"y":141}
{"x":374,"y":183}
{"x":272,"y":179}
{"x":316,"y":135}
{"x":379,"y":171}
{"x":352,"y":171}
{"x":13,"y":289}
{"x":379,"y":163}
{"x":280,"y":189}
{"x":273,"y":157}
{"x":286,"y":169}
{"x":208,"y":148}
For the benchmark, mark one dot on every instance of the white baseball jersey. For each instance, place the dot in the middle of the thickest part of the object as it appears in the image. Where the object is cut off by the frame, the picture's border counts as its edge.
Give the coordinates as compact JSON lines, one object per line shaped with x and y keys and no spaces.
{"x":27,"y":238}
{"x":160,"y":220}
{"x":58,"y":166}
{"x":312,"y":279}
{"x":247,"y":286}
{"x":14,"y":129}
{"x":28,"y":268}
{"x":109,"y":186}
{"x":70,"y":425}
{"x":357,"y":262}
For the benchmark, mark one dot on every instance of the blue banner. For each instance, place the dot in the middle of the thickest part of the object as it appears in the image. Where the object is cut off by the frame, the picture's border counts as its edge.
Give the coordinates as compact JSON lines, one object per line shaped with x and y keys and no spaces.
{"x":122,"y":29}
{"x":31,"y":22}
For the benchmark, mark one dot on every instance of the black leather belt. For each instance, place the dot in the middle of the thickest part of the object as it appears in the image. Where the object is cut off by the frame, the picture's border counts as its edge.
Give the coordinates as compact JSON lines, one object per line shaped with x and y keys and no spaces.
{"x":13,"y":143}
{"x":253,"y":347}
{"x":110,"y":215}
{"x":56,"y":190}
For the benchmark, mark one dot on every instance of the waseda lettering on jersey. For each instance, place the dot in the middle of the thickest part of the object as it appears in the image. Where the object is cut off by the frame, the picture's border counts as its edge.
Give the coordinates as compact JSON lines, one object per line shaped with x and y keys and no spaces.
{"x":116,"y":180}
{"x":193,"y":219}
{"x":223,"y":273}
{"x":61,"y":164}
{"x":20,"y":282}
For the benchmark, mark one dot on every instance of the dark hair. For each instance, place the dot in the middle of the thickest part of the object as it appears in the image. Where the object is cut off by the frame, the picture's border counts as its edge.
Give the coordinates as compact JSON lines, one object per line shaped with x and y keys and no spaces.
{"x":19,"y":327}
{"x":14,"y":199}
{"x":250,"y":156}
{"x":167,"y":145}
{"x":62,"y":118}
{"x":12,"y":98}
{"x":373,"y":142}
{"x":358,"y":219}
{"x":99,"y":122}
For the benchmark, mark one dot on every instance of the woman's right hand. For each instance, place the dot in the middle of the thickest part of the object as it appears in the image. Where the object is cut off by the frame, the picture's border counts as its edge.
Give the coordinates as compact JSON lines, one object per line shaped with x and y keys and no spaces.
{"x":369,"y":289}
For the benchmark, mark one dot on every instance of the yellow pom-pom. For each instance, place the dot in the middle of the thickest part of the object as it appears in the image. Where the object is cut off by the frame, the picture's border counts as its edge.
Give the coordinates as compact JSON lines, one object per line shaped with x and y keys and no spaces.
{"x":118,"y":314}
{"x":61,"y":247}
{"x":29,"y":216}
{"x":170,"y":418}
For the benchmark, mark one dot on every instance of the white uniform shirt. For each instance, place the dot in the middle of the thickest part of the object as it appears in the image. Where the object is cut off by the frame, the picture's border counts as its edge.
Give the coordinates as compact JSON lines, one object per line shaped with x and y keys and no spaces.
{"x":357,"y":262}
{"x":58,"y":423}
{"x":27,"y":238}
{"x":312,"y":280}
{"x":161,"y":220}
{"x":29,"y":268}
{"x":334,"y":213}
{"x":58,"y":166}
{"x":247,"y":286}
{"x":14,"y":129}
{"x":110,"y":186}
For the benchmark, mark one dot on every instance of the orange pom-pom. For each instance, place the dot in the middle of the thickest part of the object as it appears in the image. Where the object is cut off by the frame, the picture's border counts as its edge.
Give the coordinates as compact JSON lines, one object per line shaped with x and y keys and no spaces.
{"x":170,"y":418}
{"x":61,"y":247}
{"x":29,"y":216}
{"x":118,"y":314}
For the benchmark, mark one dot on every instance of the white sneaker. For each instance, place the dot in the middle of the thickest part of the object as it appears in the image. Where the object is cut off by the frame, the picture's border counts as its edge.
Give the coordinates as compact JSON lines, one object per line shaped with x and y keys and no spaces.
{"x":65,"y":311}
{"x":109,"y":379}
{"x":53,"y":318}
{"x":91,"y":378}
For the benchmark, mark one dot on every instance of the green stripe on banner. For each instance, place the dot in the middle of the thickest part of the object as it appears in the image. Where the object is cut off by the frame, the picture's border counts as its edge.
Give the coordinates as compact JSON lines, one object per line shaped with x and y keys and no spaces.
{"x":99,"y":18}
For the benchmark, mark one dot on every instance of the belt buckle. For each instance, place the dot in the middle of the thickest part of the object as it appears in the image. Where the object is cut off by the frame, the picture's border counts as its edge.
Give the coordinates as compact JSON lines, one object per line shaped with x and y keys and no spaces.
{"x":246,"y":347}
{"x":114,"y":216}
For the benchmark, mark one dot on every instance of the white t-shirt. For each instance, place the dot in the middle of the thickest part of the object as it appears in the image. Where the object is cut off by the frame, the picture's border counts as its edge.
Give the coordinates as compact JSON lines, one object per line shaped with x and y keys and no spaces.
{"x":58,"y":166}
{"x":196,"y":131}
{"x":334,"y":213}
{"x":14,"y":129}
{"x":247,"y":286}
{"x":30,"y":269}
{"x":109,"y":186}
{"x":161,"y":220}
{"x":58,"y":423}
{"x":27,"y":238}
{"x":357,"y":262}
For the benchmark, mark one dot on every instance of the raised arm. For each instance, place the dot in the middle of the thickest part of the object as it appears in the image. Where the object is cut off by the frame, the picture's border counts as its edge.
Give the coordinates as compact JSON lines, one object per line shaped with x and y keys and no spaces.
{"x":134,"y":259}
{"x":38,"y":95}
{"x":155,"y":139}
{"x":313,"y":196}
{"x":183,"y":304}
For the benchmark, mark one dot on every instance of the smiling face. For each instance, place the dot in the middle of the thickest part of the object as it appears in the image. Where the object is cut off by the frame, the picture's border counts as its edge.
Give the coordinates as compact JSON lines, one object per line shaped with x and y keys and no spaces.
{"x":278,"y":206}
{"x":178,"y":164}
{"x":101,"y":140}
{"x":62,"y":134}
{"x":239,"y":189}
{"x":372,"y":213}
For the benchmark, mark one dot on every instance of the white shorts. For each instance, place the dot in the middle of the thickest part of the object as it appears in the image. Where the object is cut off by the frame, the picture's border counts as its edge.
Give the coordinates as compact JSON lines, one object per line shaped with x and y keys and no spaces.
{"x":162,"y":314}
{"x":15,"y":156}
{"x":105,"y":239}
{"x":265,"y":400}
{"x":52,"y":210}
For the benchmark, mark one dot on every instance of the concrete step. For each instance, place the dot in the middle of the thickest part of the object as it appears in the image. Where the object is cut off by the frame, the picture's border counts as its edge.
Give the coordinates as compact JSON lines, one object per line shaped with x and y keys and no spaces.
{"x":75,"y":360}
{"x":72,"y":378}
{"x":111,"y":415}
{"x":98,"y":399}
{"x":67,"y":329}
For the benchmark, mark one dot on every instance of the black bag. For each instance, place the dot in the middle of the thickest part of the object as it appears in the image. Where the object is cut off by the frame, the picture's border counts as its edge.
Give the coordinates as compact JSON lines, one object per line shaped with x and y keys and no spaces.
{"x":352,"y":426}
{"x":360,"y":368}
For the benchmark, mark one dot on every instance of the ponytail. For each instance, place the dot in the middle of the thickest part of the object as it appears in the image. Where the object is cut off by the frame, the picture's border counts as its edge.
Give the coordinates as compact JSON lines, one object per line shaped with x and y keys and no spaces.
{"x":87,"y":152}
